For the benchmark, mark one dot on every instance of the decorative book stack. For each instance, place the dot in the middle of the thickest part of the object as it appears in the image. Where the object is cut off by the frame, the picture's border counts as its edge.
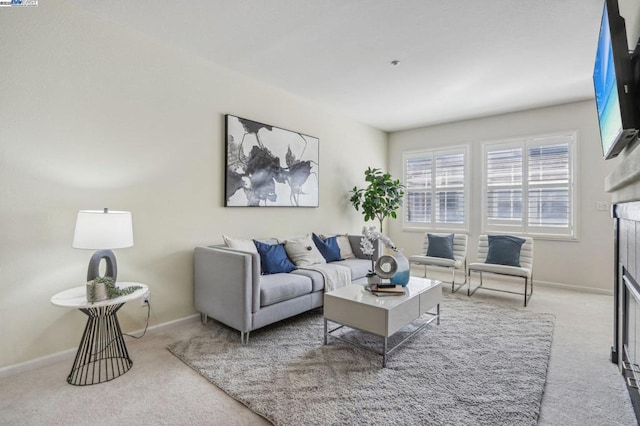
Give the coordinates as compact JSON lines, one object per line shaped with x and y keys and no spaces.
{"x":385,"y":290}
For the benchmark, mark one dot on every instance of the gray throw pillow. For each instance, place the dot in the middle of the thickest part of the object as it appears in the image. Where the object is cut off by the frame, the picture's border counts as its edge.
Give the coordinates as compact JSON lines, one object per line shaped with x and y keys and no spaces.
{"x":504,"y":250}
{"x":440,"y":246}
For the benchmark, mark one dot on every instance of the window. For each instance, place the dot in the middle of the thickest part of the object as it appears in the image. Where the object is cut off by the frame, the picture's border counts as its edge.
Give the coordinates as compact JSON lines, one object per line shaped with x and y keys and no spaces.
{"x":528,"y":186}
{"x":436,"y":189}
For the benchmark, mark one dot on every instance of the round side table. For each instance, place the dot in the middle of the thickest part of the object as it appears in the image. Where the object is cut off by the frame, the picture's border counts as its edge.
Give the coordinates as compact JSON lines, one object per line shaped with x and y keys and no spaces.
{"x":102,"y":354}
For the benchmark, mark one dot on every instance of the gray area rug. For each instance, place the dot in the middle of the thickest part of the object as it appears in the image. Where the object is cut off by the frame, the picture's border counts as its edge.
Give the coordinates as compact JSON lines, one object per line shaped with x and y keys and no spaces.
{"x":483,"y":365}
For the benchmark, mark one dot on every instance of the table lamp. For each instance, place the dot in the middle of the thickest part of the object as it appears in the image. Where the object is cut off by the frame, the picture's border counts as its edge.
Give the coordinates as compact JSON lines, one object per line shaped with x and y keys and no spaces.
{"x":103,"y":230}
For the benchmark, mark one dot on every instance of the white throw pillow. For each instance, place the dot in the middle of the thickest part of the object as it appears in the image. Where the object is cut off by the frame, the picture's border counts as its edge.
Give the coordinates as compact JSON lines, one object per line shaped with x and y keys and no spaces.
{"x":303,"y":252}
{"x":236,"y":244}
{"x":346,"y":252}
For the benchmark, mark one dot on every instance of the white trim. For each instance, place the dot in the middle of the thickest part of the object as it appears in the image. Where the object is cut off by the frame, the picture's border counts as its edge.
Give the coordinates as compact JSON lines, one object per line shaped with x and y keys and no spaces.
{"x":44,"y":361}
{"x":571,"y":287}
{"x":552,"y":284}
{"x":421,"y":229}
{"x":69,"y":354}
{"x":445,"y":274}
{"x":575,"y":181}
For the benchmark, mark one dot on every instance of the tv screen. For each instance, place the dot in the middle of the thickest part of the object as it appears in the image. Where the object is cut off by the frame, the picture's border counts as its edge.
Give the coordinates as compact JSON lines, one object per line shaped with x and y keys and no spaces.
{"x":613,"y":86}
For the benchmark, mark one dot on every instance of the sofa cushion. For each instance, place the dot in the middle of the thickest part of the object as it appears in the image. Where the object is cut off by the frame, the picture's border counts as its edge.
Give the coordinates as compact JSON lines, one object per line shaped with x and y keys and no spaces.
{"x":303,"y":252}
{"x":440,"y":246}
{"x":317,"y":280}
{"x":273,"y":258}
{"x":437,"y":261}
{"x":500,"y":269}
{"x":504,"y":250}
{"x":328,"y":247}
{"x":359,"y":267}
{"x":276,"y":288}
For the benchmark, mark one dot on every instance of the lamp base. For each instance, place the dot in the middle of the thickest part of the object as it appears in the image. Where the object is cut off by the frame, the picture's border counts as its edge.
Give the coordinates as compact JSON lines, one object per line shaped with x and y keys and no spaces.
{"x":94,"y":265}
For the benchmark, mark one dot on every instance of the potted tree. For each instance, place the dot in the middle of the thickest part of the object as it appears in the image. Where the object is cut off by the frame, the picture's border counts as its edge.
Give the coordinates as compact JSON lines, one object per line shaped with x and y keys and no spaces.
{"x":381,"y":198}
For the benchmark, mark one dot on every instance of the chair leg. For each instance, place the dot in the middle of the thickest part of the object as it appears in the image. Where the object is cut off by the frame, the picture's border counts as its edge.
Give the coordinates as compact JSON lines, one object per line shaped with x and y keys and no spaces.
{"x":527,"y":292}
{"x":464,"y":271}
{"x":453,"y":281}
{"x":425,"y":271}
{"x":527,"y":296}
{"x":466,"y":280}
{"x":469,"y":292}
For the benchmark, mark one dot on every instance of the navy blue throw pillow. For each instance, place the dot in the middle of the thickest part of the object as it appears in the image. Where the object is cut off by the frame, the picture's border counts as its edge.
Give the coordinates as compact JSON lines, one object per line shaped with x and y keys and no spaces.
{"x":328,"y":247}
{"x":440,"y":246}
{"x":273,"y":258}
{"x":504,"y":250}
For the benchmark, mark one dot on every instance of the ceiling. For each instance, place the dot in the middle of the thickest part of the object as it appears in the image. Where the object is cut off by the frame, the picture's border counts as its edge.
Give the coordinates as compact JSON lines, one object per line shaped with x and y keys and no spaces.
{"x":458,"y":59}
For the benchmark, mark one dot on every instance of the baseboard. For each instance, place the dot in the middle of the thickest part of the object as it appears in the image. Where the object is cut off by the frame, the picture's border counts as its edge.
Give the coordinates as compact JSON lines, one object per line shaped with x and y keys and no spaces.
{"x":37,"y":363}
{"x":574,"y":287}
{"x":171,"y":323}
{"x":69,"y":354}
{"x":444,"y":274}
{"x":539,"y":283}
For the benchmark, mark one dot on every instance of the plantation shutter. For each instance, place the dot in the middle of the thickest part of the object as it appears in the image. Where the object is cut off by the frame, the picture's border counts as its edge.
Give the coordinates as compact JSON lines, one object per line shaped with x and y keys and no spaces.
{"x":436,"y":189}
{"x":504,"y":186}
{"x":449,"y":173}
{"x":549,"y":185}
{"x":418,"y":173}
{"x":528,"y":186}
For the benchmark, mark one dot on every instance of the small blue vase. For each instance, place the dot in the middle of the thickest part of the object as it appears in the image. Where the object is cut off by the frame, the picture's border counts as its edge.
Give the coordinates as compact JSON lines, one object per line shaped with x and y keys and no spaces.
{"x":401,"y":277}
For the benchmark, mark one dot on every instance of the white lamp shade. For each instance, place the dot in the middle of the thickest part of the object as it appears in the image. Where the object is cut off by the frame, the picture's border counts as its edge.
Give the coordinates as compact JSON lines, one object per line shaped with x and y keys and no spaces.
{"x":97,"y":229}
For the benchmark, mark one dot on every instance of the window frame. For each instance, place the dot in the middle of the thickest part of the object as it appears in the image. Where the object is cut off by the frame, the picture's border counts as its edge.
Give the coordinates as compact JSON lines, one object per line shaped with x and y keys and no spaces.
{"x":463,"y":227}
{"x":524,"y":229}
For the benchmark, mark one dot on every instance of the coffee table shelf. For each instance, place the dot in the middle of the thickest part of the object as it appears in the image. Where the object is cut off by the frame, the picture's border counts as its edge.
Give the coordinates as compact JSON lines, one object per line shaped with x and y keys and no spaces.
{"x":354,"y":307}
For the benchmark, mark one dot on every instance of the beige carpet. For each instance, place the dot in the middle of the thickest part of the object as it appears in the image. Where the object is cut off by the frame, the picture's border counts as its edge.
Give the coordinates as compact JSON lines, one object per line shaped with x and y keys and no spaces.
{"x":484,"y":365}
{"x":583,"y":387}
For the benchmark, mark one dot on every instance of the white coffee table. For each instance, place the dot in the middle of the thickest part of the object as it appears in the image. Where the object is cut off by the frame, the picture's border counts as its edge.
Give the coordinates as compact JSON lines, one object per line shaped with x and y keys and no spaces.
{"x":353,"y":306}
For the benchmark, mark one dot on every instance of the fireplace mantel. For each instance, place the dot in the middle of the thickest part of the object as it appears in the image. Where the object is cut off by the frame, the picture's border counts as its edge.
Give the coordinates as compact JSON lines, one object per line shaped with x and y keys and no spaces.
{"x":624,"y":182}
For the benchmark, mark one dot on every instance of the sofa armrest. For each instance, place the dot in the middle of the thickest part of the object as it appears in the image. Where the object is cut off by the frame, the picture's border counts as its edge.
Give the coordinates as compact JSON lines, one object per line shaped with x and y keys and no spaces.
{"x":226,"y":285}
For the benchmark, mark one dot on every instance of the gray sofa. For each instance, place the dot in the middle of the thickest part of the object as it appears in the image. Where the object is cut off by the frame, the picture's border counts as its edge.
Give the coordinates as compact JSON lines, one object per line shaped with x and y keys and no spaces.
{"x":230,"y":288}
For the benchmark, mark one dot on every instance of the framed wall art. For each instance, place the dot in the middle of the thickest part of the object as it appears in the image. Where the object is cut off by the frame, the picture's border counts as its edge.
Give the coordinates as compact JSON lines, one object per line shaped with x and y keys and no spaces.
{"x":267,"y":166}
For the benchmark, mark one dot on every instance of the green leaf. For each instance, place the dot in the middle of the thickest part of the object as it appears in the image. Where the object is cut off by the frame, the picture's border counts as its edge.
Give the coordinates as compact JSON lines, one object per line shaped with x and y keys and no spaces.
{"x":381,"y":198}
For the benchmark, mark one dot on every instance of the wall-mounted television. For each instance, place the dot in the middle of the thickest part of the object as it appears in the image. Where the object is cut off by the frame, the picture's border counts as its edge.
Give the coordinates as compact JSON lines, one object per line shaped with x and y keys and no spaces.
{"x":614,"y":84}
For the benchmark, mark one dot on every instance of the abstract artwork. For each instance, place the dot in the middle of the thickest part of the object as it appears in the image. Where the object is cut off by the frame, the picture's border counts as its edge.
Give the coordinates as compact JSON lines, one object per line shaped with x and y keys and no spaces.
{"x":268,"y":166}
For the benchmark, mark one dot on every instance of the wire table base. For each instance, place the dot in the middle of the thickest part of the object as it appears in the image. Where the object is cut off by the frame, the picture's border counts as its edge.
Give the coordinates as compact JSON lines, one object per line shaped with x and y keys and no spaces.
{"x":102,"y":354}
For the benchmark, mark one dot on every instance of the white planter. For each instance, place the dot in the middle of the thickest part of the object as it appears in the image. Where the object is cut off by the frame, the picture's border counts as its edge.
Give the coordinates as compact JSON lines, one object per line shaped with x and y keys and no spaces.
{"x":96,"y":292}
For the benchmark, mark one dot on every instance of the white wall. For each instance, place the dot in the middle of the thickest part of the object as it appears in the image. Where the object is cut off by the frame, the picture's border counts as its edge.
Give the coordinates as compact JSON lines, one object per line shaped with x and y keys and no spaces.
{"x":586,"y":263}
{"x":630,"y":11}
{"x":93,"y":116}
